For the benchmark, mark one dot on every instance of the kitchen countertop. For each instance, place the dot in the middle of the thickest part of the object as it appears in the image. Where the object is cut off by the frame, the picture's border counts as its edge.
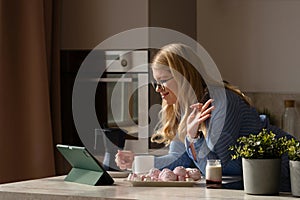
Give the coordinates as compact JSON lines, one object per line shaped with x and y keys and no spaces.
{"x":56,"y":188}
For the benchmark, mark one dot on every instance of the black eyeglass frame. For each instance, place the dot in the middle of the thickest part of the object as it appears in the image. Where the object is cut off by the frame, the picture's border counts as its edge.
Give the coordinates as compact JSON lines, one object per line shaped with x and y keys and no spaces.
{"x":160,"y":83}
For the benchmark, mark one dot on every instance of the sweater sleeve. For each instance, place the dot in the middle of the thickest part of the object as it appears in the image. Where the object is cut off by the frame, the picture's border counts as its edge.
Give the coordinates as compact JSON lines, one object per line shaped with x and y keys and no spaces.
{"x":176,"y":156}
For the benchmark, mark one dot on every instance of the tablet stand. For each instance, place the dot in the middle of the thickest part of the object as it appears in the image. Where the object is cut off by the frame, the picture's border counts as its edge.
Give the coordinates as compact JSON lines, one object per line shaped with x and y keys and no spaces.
{"x":88,"y":177}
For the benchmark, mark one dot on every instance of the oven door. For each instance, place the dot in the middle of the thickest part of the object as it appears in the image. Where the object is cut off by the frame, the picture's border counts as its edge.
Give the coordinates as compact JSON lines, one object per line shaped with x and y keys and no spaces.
{"x":125,"y":98}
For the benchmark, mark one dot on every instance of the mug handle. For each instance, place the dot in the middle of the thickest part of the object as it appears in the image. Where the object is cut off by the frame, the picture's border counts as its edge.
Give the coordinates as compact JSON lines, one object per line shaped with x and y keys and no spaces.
{"x":132,"y":167}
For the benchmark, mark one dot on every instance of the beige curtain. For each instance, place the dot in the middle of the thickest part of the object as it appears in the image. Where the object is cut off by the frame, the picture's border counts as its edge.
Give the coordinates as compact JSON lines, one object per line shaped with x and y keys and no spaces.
{"x":29,"y":89}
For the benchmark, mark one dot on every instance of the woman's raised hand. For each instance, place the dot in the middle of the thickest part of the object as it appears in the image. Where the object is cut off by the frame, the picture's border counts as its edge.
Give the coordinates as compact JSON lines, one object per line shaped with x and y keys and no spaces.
{"x":124,"y":159}
{"x":200,"y":113}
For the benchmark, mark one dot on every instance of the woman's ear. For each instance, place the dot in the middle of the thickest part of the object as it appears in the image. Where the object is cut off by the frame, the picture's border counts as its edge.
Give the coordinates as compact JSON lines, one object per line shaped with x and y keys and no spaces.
{"x":157,"y":137}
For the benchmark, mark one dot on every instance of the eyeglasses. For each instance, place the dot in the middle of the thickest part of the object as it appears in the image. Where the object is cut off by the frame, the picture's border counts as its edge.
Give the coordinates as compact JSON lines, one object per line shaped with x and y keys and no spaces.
{"x":160,"y":84}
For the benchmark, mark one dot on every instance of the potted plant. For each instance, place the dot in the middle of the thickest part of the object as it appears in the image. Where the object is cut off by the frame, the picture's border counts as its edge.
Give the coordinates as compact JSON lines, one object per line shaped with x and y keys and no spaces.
{"x":294,"y":157}
{"x":261,"y":161}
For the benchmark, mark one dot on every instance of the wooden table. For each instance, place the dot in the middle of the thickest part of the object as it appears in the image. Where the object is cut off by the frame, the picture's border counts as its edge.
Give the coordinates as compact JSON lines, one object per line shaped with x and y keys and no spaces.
{"x":56,"y":188}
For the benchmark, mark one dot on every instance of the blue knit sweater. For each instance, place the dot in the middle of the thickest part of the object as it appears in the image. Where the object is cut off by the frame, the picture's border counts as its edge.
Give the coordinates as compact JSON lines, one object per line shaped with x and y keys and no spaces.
{"x":231,"y":119}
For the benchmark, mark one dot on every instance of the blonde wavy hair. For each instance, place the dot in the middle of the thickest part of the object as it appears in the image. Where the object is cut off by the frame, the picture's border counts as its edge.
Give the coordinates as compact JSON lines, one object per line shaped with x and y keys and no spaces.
{"x":184,"y":66}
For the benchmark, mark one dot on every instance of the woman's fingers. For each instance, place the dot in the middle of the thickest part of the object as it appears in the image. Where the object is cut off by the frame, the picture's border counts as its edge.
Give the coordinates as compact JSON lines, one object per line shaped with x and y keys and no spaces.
{"x":207,"y":111}
{"x":124,"y":159}
{"x":206,"y":105}
{"x":119,"y":159}
{"x":196,"y":105}
{"x":199,"y":114}
{"x":203,"y":118}
{"x":203,"y":108}
{"x":200,"y":106}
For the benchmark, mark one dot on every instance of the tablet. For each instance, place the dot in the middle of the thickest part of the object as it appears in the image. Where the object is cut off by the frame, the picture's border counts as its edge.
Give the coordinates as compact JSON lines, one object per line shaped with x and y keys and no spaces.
{"x":85,"y":168}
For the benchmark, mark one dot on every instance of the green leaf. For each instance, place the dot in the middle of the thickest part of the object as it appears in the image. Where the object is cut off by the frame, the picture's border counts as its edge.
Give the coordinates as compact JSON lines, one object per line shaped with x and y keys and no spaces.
{"x":263,"y":145}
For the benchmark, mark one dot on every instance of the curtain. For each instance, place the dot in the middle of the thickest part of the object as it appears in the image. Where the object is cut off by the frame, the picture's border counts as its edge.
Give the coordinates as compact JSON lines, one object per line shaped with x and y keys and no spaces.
{"x":29,"y":89}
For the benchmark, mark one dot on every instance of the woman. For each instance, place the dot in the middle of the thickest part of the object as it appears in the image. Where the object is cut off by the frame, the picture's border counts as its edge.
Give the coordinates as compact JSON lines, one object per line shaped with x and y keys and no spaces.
{"x":199,"y":113}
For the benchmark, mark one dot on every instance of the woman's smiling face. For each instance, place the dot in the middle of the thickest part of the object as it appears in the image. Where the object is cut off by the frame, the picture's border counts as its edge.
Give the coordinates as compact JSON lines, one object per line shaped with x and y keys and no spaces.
{"x":169,"y":90}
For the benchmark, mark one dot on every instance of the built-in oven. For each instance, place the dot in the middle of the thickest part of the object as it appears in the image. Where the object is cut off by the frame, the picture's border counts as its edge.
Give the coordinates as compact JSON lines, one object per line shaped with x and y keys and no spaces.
{"x":122,"y":96}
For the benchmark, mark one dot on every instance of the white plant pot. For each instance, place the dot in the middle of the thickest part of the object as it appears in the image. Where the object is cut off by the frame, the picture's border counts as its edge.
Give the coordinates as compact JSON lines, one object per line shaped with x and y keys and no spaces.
{"x":295,"y":177}
{"x":261,"y":176}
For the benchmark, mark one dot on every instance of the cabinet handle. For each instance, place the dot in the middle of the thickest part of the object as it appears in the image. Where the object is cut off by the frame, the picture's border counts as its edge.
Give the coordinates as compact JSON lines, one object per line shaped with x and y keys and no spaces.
{"x":108,"y":80}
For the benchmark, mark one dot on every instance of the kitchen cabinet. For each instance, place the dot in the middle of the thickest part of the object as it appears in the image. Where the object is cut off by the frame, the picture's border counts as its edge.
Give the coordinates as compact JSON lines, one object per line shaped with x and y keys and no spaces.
{"x":85,"y":24}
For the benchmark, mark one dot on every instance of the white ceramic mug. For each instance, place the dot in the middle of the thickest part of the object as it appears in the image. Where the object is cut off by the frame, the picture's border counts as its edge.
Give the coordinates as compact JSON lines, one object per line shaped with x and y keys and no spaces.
{"x":142,"y":163}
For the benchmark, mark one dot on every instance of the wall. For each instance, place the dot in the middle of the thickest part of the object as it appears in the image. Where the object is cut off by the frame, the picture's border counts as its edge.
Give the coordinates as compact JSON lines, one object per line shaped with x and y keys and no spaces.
{"x":256,"y":46}
{"x":254,"y":43}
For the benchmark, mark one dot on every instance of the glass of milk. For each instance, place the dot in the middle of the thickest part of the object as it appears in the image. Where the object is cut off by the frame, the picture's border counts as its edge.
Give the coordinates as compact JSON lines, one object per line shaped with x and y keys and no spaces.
{"x":213,"y":172}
